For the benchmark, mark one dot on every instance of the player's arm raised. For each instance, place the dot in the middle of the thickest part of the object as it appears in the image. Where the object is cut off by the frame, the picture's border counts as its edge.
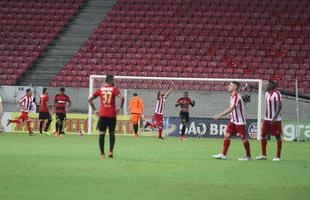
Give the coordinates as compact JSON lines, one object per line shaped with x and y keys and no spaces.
{"x":170,"y":89}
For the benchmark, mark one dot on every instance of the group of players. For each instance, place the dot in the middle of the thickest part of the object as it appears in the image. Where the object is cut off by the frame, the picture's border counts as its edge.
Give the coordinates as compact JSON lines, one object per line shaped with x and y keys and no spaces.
{"x":236,"y":126}
{"x":108,"y":112}
{"x":61,"y":104}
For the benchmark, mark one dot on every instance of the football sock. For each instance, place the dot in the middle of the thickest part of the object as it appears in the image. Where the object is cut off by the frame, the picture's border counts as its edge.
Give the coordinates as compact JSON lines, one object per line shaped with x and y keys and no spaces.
{"x":61,"y":125}
{"x":101,"y":143}
{"x":279,"y":146}
{"x":264,"y":145}
{"x":41,"y":126}
{"x":183,"y":130}
{"x":136,"y":128}
{"x":246,"y":145}
{"x":226,"y":146}
{"x":57,"y":125}
{"x":28,"y":126}
{"x":160,"y":131}
{"x":112,"y":141}
{"x":48,"y":123}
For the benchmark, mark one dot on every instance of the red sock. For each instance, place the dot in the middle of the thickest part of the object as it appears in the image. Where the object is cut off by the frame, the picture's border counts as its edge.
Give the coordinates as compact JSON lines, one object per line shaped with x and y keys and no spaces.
{"x":160,"y":131}
{"x":264,"y":145}
{"x":226,"y":146}
{"x":279,"y":148}
{"x":15,"y":121}
{"x":246,"y":145}
{"x":28,"y":126}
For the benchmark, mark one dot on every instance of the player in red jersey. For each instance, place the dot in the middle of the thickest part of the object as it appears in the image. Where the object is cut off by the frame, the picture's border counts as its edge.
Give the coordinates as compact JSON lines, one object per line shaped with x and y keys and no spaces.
{"x":237,"y":122}
{"x":272,"y":123}
{"x":44,"y":113}
{"x":107,"y":113}
{"x":26,"y":103}
{"x":62,"y":103}
{"x":160,"y":106}
{"x":184,"y":103}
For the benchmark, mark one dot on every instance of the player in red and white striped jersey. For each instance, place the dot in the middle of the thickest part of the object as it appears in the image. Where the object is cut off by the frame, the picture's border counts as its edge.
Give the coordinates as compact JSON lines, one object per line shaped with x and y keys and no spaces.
{"x":272,"y":123}
{"x":26,"y":103}
{"x":236,"y":124}
{"x":160,"y":107}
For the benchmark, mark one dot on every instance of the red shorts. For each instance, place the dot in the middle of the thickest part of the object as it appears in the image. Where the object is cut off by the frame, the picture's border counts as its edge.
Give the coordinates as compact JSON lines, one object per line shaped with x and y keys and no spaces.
{"x":233,"y":129}
{"x":274,"y":128}
{"x":159,"y":119}
{"x":24,"y":116}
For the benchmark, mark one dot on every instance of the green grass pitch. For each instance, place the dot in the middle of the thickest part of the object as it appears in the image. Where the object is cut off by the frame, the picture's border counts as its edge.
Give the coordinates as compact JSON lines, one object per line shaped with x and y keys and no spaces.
{"x":69,"y":168}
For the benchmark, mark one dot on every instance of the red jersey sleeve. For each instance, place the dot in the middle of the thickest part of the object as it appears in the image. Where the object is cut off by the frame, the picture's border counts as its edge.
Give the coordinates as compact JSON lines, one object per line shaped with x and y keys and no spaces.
{"x":116,"y":91}
{"x":68,"y":99}
{"x":179,"y":100}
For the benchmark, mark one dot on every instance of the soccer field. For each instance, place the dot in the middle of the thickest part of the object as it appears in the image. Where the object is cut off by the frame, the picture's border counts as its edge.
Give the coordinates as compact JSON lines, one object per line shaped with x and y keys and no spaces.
{"x":45,"y":167}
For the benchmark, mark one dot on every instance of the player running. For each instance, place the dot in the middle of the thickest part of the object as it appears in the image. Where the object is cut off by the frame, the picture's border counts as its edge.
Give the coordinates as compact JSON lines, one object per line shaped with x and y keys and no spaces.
{"x":272,"y":123}
{"x":26,"y":104}
{"x":160,"y":106}
{"x":44,"y":113}
{"x":107,"y":113}
{"x":136,"y":108}
{"x":184,"y":103}
{"x":237,"y":122}
{"x":62,"y":103}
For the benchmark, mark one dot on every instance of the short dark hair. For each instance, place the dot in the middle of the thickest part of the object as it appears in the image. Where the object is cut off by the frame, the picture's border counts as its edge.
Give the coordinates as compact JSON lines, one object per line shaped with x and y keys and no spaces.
{"x":28,"y":90}
{"x":236,"y":83}
{"x":62,"y":89}
{"x":272,"y":83}
{"x":44,"y":90}
{"x":135,"y":94}
{"x":109,"y":79}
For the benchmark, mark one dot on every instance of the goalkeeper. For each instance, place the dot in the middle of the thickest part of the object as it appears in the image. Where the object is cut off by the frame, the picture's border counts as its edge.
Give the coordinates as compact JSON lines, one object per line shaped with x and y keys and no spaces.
{"x":136,"y":109}
{"x":184,"y":103}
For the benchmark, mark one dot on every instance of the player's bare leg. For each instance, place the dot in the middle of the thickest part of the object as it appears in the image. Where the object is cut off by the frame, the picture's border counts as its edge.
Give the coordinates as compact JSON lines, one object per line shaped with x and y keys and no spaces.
{"x":101,"y":144}
{"x":223,"y":155}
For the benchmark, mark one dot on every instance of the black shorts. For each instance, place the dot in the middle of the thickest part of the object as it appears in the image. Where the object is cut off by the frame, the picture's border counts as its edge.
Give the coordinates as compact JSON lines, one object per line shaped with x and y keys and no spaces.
{"x":61,"y":116}
{"x":184,"y":116}
{"x":44,"y":115}
{"x":106,"y":122}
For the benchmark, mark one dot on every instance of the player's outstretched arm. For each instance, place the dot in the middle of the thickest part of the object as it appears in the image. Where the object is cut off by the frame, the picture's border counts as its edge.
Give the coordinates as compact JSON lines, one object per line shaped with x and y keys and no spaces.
{"x":226,"y":112}
{"x":170,"y":89}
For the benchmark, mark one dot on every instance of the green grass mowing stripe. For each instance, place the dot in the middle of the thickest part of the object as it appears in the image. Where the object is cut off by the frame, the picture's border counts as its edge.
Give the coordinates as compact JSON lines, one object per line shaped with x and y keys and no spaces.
{"x":145,"y":168}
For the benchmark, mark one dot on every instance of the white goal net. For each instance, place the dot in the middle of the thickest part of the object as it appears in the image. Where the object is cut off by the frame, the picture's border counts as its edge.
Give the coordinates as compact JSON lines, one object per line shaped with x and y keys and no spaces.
{"x":210,"y":94}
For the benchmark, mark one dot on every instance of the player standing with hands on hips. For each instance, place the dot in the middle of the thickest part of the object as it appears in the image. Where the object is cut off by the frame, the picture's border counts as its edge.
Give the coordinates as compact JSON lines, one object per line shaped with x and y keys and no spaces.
{"x":272,"y":123}
{"x":237,"y":122}
{"x":107,"y":113}
{"x":184,"y":103}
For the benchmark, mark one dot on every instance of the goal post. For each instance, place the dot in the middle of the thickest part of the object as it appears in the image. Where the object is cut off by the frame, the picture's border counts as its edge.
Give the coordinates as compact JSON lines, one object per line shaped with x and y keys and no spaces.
{"x":210,"y":94}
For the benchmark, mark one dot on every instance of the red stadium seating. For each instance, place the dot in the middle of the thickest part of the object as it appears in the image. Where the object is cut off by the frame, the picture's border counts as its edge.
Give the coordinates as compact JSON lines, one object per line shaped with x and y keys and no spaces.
{"x":199,"y":38}
{"x":26,"y":29}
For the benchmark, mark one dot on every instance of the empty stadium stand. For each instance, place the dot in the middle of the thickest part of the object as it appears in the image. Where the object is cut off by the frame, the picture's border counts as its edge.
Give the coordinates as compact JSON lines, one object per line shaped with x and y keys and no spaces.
{"x":26,"y":29}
